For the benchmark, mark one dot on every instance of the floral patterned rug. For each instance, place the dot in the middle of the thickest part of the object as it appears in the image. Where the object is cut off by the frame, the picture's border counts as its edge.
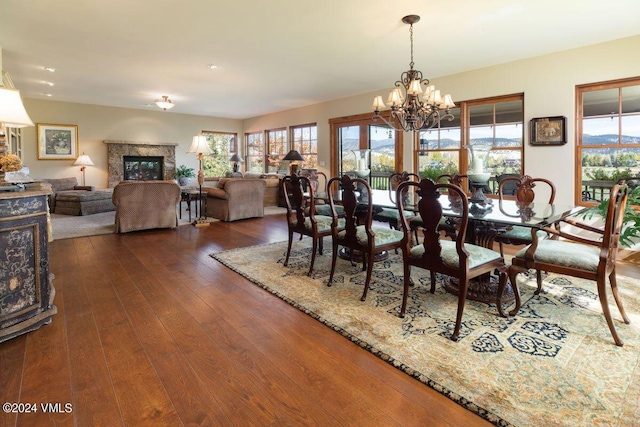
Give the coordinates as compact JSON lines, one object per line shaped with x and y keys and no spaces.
{"x":554,"y":364}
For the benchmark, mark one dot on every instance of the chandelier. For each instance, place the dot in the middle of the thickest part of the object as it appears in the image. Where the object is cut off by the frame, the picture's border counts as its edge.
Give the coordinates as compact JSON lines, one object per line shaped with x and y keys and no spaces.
{"x":165,"y":103}
{"x":407,"y":107}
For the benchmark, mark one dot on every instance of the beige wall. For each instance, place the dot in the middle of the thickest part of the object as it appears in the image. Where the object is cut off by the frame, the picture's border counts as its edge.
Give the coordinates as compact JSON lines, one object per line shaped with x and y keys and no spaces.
{"x":98,"y":123}
{"x":548,"y":83}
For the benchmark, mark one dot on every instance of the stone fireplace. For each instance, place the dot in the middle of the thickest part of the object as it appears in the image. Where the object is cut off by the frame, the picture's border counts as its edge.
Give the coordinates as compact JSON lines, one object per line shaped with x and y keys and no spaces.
{"x":118,"y":150}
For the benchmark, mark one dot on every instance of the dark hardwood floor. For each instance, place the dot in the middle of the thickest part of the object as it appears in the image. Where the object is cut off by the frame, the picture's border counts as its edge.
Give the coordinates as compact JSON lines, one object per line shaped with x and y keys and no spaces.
{"x":150,"y":330}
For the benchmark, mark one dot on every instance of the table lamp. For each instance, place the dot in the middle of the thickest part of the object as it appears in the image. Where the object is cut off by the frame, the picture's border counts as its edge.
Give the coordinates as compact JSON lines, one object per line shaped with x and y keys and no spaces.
{"x":83,"y":161}
{"x":293,"y":155}
{"x":200,"y":147}
{"x":235,"y":158}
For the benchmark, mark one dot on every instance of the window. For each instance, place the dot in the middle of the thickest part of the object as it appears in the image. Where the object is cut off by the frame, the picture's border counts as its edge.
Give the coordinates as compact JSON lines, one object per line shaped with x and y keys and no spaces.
{"x":305,"y":140}
{"x":223,"y":145}
{"x":607,"y":137}
{"x":497,"y":122}
{"x":438,"y":150}
{"x":255,"y":152}
{"x":277,"y":148}
{"x":362,"y":132}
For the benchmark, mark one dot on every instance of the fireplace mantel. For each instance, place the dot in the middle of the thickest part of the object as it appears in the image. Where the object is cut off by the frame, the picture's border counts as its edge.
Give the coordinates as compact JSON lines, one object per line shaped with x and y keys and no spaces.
{"x":116,"y":150}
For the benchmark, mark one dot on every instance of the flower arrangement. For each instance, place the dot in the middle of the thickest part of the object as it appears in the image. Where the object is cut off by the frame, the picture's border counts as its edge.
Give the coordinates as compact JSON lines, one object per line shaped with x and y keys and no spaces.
{"x":10,"y":163}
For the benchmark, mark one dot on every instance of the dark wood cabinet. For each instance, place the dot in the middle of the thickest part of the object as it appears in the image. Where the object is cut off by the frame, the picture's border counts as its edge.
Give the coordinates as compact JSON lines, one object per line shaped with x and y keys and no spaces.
{"x":26,"y":288}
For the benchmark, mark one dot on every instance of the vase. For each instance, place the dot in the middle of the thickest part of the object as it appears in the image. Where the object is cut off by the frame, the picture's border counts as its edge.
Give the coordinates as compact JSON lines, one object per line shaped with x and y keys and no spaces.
{"x":361,"y":168}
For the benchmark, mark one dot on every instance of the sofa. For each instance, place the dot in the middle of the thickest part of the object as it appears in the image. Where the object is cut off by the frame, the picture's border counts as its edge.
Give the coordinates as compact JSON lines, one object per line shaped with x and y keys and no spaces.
{"x":236,"y":198}
{"x":143,"y":205}
{"x":272,"y":181}
{"x":61,"y":185}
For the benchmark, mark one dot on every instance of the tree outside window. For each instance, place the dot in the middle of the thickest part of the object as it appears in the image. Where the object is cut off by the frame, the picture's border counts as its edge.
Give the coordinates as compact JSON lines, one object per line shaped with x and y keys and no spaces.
{"x":277,"y":148}
{"x":305,"y":140}
{"x":223,"y":145}
{"x":255,"y":152}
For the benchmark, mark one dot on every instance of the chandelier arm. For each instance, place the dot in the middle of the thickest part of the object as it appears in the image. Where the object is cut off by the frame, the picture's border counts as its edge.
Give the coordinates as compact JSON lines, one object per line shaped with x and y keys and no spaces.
{"x":377,"y":115}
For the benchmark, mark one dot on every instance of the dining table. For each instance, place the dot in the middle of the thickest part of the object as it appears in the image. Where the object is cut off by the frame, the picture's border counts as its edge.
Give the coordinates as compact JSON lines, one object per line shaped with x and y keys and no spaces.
{"x":486,"y":221}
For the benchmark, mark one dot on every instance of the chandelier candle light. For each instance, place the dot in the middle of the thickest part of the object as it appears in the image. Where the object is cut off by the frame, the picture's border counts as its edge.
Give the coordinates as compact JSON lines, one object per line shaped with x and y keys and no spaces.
{"x":409,"y":111}
{"x":200,"y":147}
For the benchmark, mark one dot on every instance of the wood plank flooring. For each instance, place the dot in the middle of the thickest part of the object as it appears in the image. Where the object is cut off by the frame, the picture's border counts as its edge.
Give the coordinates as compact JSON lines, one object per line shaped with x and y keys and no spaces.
{"x":152,"y":331}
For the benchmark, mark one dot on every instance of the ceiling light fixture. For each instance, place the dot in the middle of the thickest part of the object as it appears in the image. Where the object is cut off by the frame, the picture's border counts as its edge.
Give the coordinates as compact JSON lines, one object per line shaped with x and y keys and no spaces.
{"x":48,"y":94}
{"x":409,"y":111}
{"x":49,"y":83}
{"x":212,"y":66}
{"x":165,"y":103}
{"x":50,"y":69}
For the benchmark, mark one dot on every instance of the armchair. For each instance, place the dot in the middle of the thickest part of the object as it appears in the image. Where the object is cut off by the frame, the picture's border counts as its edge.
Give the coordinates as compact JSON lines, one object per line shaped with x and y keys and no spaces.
{"x":142,"y":205}
{"x":592,"y":259}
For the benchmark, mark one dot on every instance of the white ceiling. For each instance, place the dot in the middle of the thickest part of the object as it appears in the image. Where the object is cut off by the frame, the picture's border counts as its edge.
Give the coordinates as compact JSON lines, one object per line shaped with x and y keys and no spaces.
{"x":278,"y":54}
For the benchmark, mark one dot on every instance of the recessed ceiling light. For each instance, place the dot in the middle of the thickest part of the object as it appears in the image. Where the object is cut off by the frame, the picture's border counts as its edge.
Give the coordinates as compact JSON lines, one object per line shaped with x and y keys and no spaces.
{"x":48,"y":94}
{"x":50,"y":69}
{"x":49,"y":83}
{"x":212,"y":66}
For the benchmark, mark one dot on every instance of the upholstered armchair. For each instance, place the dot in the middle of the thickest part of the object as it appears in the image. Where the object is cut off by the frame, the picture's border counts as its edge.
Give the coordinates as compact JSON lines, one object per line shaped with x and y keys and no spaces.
{"x":142,"y":205}
{"x":236,"y":198}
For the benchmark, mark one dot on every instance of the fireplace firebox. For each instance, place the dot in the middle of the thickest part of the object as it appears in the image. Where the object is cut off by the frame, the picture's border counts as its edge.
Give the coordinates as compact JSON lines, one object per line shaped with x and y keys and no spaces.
{"x":143,"y":168}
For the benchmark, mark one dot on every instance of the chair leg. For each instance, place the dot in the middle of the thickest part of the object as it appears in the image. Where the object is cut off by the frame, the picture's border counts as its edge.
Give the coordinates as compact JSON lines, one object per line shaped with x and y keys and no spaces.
{"x":334,"y":256}
{"x":614,"y":291}
{"x":463,"y":286}
{"x":501,"y":249}
{"x":286,"y":260}
{"x":501,"y":287}
{"x":539,"y":281}
{"x":313,"y":255}
{"x":602,"y":293}
{"x":405,"y":293}
{"x":433,"y":282}
{"x":321,"y":245}
{"x":367,"y":281}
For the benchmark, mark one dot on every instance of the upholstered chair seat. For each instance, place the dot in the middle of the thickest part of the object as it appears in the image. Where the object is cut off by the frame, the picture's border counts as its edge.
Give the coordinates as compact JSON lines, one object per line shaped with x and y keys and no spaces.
{"x":477,"y":254}
{"x":383,"y":236}
{"x":565,"y":254}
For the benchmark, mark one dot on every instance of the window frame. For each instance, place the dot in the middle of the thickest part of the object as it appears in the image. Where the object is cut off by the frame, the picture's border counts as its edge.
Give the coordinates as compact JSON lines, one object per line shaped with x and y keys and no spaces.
{"x":580,"y":90}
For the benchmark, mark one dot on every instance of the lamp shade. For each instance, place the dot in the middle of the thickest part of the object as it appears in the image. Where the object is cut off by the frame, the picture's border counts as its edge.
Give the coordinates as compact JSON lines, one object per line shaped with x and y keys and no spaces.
{"x":165,"y":103}
{"x":293,"y":155}
{"x":83,"y":160}
{"x":199,"y":145}
{"x":236,"y":158}
{"x":12,"y":112}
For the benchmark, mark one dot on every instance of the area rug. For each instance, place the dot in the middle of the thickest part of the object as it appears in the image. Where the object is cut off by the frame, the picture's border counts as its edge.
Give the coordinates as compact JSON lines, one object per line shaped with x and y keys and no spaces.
{"x":554,"y":364}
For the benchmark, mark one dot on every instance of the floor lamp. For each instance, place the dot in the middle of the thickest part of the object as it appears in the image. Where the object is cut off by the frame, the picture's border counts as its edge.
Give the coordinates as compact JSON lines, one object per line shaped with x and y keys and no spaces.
{"x":83,"y":161}
{"x":200,"y":147}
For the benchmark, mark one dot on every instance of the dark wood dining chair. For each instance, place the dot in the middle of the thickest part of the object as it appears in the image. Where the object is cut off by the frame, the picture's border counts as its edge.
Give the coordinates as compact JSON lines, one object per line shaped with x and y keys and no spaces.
{"x":447,"y":224}
{"x":358,"y":234}
{"x":301,"y":217}
{"x":522,"y":187}
{"x":578,"y":256}
{"x":318,"y":181}
{"x":391,"y":215}
{"x":455,"y":259}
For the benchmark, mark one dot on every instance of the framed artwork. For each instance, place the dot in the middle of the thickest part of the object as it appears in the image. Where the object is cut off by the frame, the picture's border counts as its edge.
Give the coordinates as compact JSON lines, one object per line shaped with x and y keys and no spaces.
{"x":548,"y":131}
{"x":57,"y":142}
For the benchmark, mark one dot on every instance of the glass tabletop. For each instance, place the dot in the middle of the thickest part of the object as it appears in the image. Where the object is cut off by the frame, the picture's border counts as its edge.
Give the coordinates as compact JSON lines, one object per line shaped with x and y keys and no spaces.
{"x":505,"y":212}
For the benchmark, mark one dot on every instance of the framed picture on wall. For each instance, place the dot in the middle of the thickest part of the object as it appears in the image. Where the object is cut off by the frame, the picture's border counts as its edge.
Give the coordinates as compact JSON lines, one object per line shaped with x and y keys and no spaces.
{"x":548,"y":131}
{"x":57,"y":142}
